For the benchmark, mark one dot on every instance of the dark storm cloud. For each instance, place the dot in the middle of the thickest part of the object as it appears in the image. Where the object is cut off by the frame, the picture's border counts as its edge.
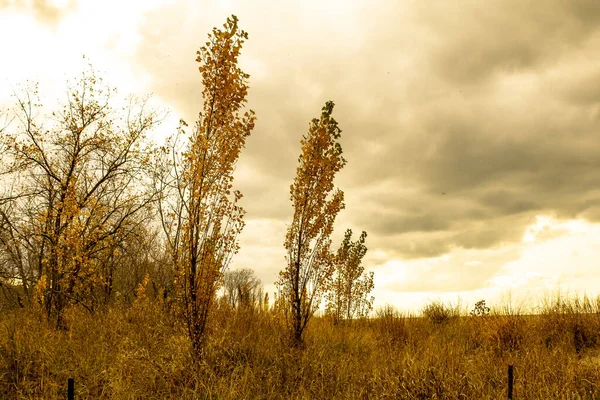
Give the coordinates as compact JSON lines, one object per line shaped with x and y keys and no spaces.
{"x":391,"y":223}
{"x":461,"y":121}
{"x":478,"y":39}
{"x":491,"y":233}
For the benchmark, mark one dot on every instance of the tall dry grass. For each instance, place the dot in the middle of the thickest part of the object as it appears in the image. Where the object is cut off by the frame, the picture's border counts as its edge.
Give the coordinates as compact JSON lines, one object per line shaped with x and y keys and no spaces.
{"x":143,"y":352}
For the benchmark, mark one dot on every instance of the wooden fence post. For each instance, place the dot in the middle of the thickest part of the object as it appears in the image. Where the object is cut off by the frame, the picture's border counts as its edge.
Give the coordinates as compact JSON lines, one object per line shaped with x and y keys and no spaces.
{"x":71,"y":389}
{"x":510,"y":382}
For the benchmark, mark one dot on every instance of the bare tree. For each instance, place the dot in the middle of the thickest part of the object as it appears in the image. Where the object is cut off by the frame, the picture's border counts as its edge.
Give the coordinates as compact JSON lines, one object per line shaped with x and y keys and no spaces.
{"x":5,"y":121}
{"x":242,"y":288}
{"x":141,"y":254}
{"x":81,"y":190}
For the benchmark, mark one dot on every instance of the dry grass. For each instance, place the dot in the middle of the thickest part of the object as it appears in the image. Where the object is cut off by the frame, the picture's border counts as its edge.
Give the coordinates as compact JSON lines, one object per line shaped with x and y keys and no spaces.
{"x":143,"y":352}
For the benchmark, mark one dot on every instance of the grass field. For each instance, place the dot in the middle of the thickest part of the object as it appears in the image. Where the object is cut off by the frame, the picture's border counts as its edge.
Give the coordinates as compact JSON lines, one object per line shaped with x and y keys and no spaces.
{"x":142,"y":351}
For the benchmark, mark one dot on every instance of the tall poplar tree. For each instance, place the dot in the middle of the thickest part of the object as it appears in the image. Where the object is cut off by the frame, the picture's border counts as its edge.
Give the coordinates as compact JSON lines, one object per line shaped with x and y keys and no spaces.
{"x":199,"y":210}
{"x":349,"y":293}
{"x":310,"y":262}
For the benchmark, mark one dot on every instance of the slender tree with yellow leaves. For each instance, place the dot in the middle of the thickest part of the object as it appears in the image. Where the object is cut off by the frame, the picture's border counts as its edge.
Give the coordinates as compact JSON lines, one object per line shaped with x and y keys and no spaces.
{"x":310,"y":263}
{"x":348,"y":296}
{"x":199,"y":209}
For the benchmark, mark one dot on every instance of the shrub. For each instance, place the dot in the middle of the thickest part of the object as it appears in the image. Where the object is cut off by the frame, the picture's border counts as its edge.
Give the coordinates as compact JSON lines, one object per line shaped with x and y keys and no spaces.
{"x":480,"y":309}
{"x":391,"y":326}
{"x":439,"y":313}
{"x":505,"y":333}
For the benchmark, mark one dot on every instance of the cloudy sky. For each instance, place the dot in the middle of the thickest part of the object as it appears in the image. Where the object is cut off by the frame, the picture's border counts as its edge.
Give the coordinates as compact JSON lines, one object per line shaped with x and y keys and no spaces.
{"x":471,"y":128}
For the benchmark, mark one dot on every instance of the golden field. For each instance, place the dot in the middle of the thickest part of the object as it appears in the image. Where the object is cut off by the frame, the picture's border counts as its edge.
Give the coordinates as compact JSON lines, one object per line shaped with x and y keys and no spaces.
{"x":142,"y":351}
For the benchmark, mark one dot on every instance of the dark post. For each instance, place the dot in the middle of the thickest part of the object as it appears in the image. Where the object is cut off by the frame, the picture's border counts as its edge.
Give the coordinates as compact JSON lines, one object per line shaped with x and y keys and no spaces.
{"x":510,"y":381}
{"x":71,"y":389}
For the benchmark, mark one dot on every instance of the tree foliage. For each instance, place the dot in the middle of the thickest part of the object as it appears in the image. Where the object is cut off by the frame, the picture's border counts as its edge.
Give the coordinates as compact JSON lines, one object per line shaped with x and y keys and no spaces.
{"x":349,"y":293}
{"x":199,"y":209}
{"x":310,"y":262}
{"x":480,"y":309}
{"x":78,"y":190}
{"x":92,"y":213}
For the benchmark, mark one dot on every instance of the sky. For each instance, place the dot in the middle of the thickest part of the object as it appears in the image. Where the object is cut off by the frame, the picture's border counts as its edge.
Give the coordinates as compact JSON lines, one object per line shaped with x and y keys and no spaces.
{"x":471,"y":129}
